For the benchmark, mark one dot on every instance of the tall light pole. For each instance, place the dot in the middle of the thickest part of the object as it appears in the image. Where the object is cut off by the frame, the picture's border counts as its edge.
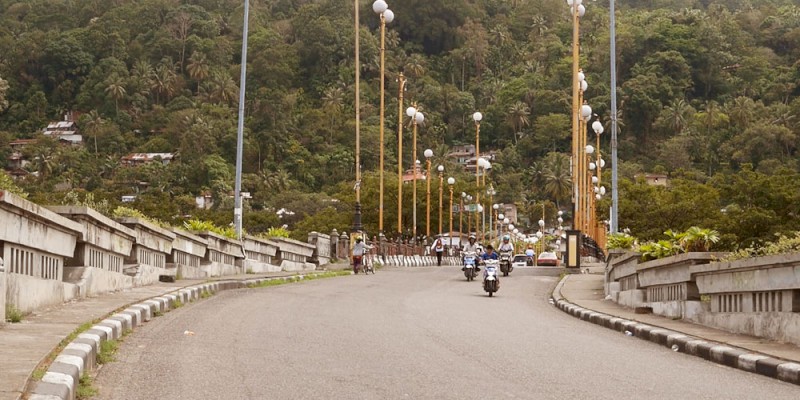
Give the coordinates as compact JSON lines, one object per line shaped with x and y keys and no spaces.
{"x":577,"y":10}
{"x":492,"y":225}
{"x":469,"y":219}
{"x":387,"y":16}
{"x":402,"y":82}
{"x":416,"y":119}
{"x":460,"y":217}
{"x":450,"y":182}
{"x":428,"y":154}
{"x":614,"y":182}
{"x":237,"y":201}
{"x":357,"y":227}
{"x":477,"y":117}
{"x":441,"y":181}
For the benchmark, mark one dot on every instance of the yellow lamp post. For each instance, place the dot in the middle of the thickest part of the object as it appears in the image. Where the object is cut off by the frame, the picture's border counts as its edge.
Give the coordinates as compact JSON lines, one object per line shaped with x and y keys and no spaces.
{"x":416,"y":119}
{"x":450,"y":182}
{"x":460,"y":216}
{"x":477,"y":117}
{"x":387,"y":16}
{"x":440,"y":168}
{"x":402,"y":82}
{"x":428,"y":154}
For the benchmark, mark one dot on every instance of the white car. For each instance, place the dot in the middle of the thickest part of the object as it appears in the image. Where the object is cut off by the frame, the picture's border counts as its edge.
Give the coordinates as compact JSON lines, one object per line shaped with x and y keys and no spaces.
{"x":520,"y":260}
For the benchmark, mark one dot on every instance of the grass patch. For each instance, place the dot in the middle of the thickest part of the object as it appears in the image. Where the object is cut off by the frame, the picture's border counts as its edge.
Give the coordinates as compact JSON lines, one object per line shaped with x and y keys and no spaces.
{"x":86,"y":389}
{"x":108,"y":351}
{"x":177,"y":304}
{"x":249,"y":271}
{"x":206,"y":294}
{"x":158,"y":313}
{"x":13,"y":314}
{"x":297,"y":278}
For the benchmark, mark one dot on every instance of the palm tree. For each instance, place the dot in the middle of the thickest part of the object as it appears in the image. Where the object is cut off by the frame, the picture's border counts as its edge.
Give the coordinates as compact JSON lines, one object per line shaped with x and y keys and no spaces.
{"x":697,"y":239}
{"x":93,"y":123}
{"x":556,"y":176}
{"x":141,"y":74}
{"x":333,"y":104}
{"x":518,"y":117}
{"x":678,"y":114}
{"x":415,"y":66}
{"x":198,"y":68}
{"x":222,"y":88}
{"x":162,"y":80}
{"x":116,"y":89}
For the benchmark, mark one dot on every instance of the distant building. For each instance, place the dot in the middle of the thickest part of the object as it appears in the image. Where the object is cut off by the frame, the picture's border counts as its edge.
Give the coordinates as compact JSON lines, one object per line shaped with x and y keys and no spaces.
{"x":464,"y":155}
{"x":134,"y":159}
{"x":408,"y":176}
{"x":205,"y":200}
{"x":17,"y":161}
{"x":65,"y":131}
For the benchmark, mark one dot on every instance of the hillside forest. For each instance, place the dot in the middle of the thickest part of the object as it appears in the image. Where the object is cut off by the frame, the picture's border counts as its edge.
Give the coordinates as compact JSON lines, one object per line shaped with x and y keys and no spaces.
{"x":708,"y":96}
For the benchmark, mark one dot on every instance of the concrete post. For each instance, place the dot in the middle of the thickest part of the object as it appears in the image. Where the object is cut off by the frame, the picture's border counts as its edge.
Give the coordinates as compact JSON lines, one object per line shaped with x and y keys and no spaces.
{"x":334,"y":244}
{"x":2,"y":292}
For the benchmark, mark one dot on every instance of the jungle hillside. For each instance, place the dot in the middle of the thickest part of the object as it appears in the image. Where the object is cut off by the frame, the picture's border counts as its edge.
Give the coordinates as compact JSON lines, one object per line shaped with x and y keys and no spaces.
{"x":708,"y":97}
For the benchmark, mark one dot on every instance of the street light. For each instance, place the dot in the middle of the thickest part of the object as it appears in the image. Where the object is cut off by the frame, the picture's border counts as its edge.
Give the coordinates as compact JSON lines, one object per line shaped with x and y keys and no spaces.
{"x":428,"y":153}
{"x":578,"y":85}
{"x":440,"y":168}
{"x":496,"y":208}
{"x":416,"y":119}
{"x":460,"y":215}
{"x":357,"y":227}
{"x":477,"y":117}
{"x":387,"y":16}
{"x":469,"y":219}
{"x":237,"y":202}
{"x":402,"y":83}
{"x":450,"y":182}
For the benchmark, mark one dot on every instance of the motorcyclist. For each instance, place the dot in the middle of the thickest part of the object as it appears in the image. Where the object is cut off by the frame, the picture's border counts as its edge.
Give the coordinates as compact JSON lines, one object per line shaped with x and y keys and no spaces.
{"x":471,"y":247}
{"x":530,"y":253}
{"x":489,"y":254}
{"x":506,"y":246}
{"x":359,"y":249}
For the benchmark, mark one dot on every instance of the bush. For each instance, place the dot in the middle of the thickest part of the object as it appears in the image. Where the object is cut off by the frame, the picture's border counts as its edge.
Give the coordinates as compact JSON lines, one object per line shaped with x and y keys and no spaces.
{"x":621,"y":240}
{"x":784,"y":245}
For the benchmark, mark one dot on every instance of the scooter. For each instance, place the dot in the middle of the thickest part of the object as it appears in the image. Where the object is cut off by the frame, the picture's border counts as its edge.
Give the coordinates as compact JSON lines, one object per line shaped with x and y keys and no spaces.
{"x":491,"y":282}
{"x":470,"y":266}
{"x":505,"y":263}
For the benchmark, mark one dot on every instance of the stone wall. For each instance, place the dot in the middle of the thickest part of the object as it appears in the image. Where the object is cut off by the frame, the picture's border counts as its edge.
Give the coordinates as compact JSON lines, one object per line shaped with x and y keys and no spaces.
{"x":261,"y":255}
{"x":35,"y":241}
{"x":294,"y":255}
{"x":188,"y":251}
{"x":104,"y":245}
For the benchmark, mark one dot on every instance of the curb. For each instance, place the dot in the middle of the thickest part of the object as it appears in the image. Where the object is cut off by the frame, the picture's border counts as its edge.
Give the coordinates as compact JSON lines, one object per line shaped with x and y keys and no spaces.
{"x":61,"y":380}
{"x":720,"y":353}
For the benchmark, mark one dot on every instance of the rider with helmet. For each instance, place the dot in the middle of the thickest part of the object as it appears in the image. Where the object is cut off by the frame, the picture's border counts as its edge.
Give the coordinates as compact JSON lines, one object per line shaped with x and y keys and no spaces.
{"x":506,"y":246}
{"x":471,"y":247}
{"x":359,"y":249}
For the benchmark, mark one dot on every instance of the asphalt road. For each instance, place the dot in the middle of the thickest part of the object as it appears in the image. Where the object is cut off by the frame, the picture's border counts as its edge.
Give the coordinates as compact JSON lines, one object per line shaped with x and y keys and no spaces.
{"x":417,"y":333}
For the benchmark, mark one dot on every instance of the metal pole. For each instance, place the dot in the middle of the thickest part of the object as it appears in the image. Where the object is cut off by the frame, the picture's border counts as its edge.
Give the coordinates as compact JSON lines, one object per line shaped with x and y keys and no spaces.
{"x":441,"y":181}
{"x":383,"y":40}
{"x":576,"y":161}
{"x":428,"y":198}
{"x":402,"y":82}
{"x":450,"y":231}
{"x":614,"y":182}
{"x":414,"y":167}
{"x":357,"y":227}
{"x":237,"y":207}
{"x":477,"y":173}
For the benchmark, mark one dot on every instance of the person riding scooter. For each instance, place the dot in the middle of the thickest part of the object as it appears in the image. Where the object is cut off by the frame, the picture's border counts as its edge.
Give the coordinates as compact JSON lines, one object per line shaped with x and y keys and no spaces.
{"x":471,"y":247}
{"x":489,"y":254}
{"x":506,"y":246}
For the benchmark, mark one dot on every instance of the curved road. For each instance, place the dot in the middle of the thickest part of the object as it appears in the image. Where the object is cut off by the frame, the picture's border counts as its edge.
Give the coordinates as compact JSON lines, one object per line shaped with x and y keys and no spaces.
{"x":405,"y":333}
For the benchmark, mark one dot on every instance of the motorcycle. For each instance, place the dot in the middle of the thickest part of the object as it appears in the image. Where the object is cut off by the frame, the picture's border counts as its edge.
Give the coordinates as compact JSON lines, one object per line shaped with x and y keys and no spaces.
{"x":470,"y":266}
{"x":491,"y":282}
{"x":505,"y":263}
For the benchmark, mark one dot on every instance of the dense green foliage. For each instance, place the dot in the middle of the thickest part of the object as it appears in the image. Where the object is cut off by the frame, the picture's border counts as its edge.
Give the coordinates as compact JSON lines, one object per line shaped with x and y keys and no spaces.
{"x":708,"y":94}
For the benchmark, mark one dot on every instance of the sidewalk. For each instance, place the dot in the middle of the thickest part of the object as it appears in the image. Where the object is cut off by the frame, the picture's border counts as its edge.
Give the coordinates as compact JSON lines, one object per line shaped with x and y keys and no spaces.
{"x":24,"y":345}
{"x":743,"y":352}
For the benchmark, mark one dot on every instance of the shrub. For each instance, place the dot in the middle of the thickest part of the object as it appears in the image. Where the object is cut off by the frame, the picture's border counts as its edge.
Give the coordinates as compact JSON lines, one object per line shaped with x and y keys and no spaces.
{"x":784,"y":245}
{"x":621,"y":240}
{"x":275,"y":233}
{"x":202,"y":226}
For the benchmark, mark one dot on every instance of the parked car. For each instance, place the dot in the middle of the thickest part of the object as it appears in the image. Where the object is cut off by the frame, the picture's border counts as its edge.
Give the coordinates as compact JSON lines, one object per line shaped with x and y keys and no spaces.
{"x":520,"y":260}
{"x":548,"y":258}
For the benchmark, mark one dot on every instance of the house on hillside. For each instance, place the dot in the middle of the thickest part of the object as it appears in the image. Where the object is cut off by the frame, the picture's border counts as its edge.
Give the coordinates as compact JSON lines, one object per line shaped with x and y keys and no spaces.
{"x":135,"y":159}
{"x":654,"y":179}
{"x":408,"y":176}
{"x":65,"y":131}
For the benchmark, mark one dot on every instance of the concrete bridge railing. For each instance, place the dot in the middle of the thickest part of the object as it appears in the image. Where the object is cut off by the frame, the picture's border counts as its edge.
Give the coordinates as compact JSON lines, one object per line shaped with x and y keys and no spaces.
{"x":757,"y":296}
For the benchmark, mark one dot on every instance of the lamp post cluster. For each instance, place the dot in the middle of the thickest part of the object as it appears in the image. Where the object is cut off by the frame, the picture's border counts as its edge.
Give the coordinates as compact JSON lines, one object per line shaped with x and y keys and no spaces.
{"x":585,"y":167}
{"x":416,"y":118}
